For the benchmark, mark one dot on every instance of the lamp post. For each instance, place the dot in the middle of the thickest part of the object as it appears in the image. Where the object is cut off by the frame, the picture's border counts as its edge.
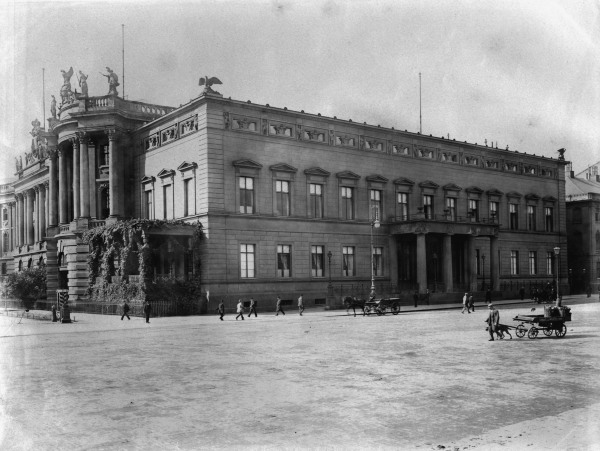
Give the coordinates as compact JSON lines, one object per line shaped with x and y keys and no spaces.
{"x":374,"y":224}
{"x":483,"y":271}
{"x":329,"y":258}
{"x":330,"y":297}
{"x":557,"y":252}
{"x":435,"y":259}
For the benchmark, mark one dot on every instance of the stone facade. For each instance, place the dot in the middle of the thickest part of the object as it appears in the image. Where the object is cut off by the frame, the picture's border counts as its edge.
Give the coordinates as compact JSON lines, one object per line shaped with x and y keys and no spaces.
{"x":292,"y":202}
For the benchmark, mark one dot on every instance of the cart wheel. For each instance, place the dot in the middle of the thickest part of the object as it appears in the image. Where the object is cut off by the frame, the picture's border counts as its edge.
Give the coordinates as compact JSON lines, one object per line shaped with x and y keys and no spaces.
{"x":396,"y":309}
{"x":521,"y":331}
{"x":533,"y":332}
{"x":562,"y":332}
{"x":367,"y":311}
{"x":547,"y":332}
{"x":380,"y":312}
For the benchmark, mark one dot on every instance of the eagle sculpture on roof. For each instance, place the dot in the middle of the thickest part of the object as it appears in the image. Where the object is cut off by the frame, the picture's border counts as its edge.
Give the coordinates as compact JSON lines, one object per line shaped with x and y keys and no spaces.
{"x":207,"y":82}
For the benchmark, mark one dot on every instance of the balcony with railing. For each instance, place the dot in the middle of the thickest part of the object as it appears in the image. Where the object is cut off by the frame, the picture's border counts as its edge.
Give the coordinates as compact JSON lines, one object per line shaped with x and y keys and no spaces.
{"x":445,"y":223}
{"x":108,"y":103}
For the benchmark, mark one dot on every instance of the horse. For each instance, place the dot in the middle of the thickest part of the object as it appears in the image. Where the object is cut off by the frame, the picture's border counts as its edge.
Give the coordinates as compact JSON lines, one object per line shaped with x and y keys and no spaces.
{"x":352,"y":302}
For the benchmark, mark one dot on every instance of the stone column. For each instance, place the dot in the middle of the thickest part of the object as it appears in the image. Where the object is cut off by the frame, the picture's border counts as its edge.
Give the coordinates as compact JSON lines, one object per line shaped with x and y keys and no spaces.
{"x":494,"y":263}
{"x":13,"y":225}
{"x":63,"y":203}
{"x":19,"y":221}
{"x":76,"y":170}
{"x":471,"y":263}
{"x":42,"y":209}
{"x":29,"y":234}
{"x":84,"y":175}
{"x":92,"y":178}
{"x":16,"y":222}
{"x":52,"y":191}
{"x":115,"y":184}
{"x":36,"y":215}
{"x":421,"y":263}
{"x":447,"y":258}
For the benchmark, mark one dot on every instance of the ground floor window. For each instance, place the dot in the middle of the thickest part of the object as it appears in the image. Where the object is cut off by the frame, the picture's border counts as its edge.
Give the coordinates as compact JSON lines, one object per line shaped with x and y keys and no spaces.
{"x":316,"y":261}
{"x":532,"y":263}
{"x":247,"y":260}
{"x":348,"y":269}
{"x":514,"y":262}
{"x":378,"y":261}
{"x":284,"y":260}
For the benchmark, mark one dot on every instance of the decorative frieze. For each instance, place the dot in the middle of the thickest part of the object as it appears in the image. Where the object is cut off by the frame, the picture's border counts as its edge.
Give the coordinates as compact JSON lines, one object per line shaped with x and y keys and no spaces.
{"x":511,"y":167}
{"x":281,"y":129}
{"x":168,"y":134}
{"x":245,"y":124}
{"x":346,"y":140}
{"x":401,"y":149}
{"x":471,"y":160}
{"x":369,"y":143}
{"x":448,"y":157}
{"x":425,"y":152}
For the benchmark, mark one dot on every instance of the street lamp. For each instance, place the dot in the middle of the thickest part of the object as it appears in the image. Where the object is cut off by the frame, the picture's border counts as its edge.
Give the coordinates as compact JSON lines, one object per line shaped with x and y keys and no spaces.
{"x":557,"y":252}
{"x":483,"y":271}
{"x":374,"y":224}
{"x":435,"y":258}
{"x":329,"y":258}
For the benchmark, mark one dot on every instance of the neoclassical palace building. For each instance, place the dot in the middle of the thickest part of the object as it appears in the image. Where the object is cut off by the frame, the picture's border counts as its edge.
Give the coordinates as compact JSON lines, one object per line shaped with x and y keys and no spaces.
{"x":290,"y":202}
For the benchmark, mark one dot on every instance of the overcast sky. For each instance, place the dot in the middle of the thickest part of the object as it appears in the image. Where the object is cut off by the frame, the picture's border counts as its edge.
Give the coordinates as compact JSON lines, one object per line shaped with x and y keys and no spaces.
{"x":520,"y":73}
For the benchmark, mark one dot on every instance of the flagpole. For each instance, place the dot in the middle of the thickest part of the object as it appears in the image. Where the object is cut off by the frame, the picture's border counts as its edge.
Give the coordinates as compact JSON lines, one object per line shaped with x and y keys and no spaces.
{"x":44,"y":97}
{"x":123,"y":47}
{"x":420,"y":116}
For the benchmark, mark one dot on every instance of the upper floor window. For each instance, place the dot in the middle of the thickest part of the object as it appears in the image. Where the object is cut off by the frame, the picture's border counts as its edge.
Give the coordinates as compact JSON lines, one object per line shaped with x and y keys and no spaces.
{"x":284,"y":260}
{"x":246,"y":195}
{"x":451,"y":208}
{"x":513,"y":214}
{"x":402,"y":206}
{"x":347,"y":202}
{"x":316,"y":200}
{"x":378,"y":261}
{"x":247,"y":262}
{"x":375,"y":209}
{"x":474,"y":209}
{"x":148,"y":209}
{"x":531,"y":217}
{"x":597,"y":241}
{"x":428,"y":206}
{"x":549,"y":219}
{"x":168,"y":202}
{"x":4,"y":215}
{"x":317,"y":258}
{"x":282,"y":195}
{"x":5,"y":243}
{"x":348,"y":261}
{"x":494,"y":211}
{"x":189,"y":198}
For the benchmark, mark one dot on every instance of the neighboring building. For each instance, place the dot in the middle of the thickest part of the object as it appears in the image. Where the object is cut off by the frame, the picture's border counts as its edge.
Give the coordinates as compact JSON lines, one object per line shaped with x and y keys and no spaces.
{"x":289,"y":200}
{"x":583,"y":228}
{"x":7,"y":230}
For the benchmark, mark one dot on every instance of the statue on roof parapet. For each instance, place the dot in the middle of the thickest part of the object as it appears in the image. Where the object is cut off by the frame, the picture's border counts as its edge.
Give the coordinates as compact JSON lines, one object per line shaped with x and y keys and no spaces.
{"x":113,"y":82}
{"x":66,"y":93}
{"x":83,"y":84}
{"x":53,"y":107}
{"x":561,"y":154}
{"x":207,"y":82}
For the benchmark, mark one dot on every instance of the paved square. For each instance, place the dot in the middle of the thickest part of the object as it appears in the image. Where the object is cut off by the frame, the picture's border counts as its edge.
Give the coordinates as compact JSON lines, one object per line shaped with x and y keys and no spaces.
{"x":412,"y":381}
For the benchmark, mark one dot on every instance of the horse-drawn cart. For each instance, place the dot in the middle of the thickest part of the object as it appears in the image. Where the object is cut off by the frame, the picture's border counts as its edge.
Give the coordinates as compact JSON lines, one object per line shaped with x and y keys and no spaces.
{"x":382,"y":306}
{"x":552,"y":321}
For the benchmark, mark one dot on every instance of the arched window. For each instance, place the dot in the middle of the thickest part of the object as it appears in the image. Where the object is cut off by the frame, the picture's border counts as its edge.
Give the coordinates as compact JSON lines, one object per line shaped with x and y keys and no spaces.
{"x":20,"y":265}
{"x":60,"y":258}
{"x":30,"y":263}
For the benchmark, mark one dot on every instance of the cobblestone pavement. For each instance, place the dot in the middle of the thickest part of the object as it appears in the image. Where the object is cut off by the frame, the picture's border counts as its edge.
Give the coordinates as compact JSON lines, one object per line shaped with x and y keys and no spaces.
{"x":419,"y":380}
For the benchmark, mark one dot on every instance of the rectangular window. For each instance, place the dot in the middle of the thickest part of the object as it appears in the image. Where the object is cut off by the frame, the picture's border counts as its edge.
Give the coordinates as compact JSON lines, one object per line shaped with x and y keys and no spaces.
{"x":597,"y":269}
{"x":168,"y":202}
{"x":378,"y":261}
{"x":375,"y":207}
{"x":316,"y":200}
{"x":402,"y":206}
{"x":513,"y":213}
{"x":549,"y":219}
{"x":451,"y":208}
{"x":148,"y":210}
{"x":478,"y":261}
{"x":347,"y":203}
{"x":531,"y":217}
{"x":514,"y":262}
{"x":282,"y":194}
{"x":284,"y":260}
{"x":316,"y":261}
{"x":494,"y":211}
{"x":246,"y":195}
{"x":550,"y":263}
{"x":474,"y":210}
{"x":532,"y":263}
{"x":348,"y":264}
{"x":428,"y":206}
{"x":247,"y":261}
{"x":189,"y":199}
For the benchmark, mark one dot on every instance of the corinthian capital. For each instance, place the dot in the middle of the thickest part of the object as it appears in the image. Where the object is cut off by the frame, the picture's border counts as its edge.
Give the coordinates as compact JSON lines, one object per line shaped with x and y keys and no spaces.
{"x":83,"y":137}
{"x":113,"y":135}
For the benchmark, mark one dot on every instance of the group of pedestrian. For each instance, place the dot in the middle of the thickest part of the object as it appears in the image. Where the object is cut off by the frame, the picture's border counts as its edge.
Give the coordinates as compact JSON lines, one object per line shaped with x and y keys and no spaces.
{"x":468,"y":303}
{"x":240,"y":308}
{"x":147,"y":310}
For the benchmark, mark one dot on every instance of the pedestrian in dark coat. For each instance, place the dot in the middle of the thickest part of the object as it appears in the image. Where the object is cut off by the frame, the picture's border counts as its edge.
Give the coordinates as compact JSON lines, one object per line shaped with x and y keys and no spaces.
{"x":125,"y":311}
{"x":522,"y":293}
{"x":416,"y":298}
{"x":279,"y":309}
{"x":471,"y":302}
{"x":147,"y":310}
{"x":221,"y":309}
{"x":252,"y":308}
{"x":493,"y":320}
{"x":488,"y":296}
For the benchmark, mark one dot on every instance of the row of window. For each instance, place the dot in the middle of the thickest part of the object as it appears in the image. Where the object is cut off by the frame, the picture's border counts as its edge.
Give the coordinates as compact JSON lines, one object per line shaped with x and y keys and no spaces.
{"x":316,"y":205}
{"x":170,"y":191}
{"x":317,"y":261}
{"x":532,"y":263}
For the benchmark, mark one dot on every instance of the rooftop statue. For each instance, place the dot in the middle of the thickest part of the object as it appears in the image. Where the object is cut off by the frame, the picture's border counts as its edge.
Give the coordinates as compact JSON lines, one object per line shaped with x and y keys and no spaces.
{"x":53,"y":107}
{"x":83,"y":84}
{"x":113,"y":82}
{"x":208,"y":82}
{"x":65,"y":91}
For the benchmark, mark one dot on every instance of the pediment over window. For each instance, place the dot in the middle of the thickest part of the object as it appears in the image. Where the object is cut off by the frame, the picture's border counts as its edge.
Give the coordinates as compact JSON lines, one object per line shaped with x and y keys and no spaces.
{"x":164,"y":173}
{"x":494,"y":192}
{"x":429,"y":184}
{"x":452,"y":187}
{"x":514,"y":194}
{"x":403,"y":181}
{"x":376,"y":178}
{"x":532,"y":196}
{"x":148,"y":179}
{"x":185,"y":166}
{"x":283,"y":167}
{"x":474,"y":190}
{"x":549,"y":199}
{"x":317,"y":171}
{"x":347,"y":175}
{"x":246,"y":163}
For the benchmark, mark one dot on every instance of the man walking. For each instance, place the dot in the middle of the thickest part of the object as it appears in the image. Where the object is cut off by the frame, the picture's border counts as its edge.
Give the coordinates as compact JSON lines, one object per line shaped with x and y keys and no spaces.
{"x":300,"y":305}
{"x":465,"y":303}
{"x":221,"y":310}
{"x":493,"y":319}
{"x":279,"y":309}
{"x":240,"y":310}
{"x":252,"y":308}
{"x":125,"y":310}
{"x":147,"y":310}
{"x":471,"y":302}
